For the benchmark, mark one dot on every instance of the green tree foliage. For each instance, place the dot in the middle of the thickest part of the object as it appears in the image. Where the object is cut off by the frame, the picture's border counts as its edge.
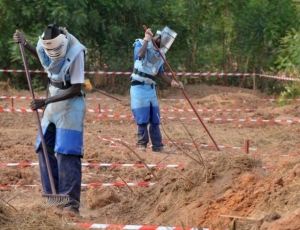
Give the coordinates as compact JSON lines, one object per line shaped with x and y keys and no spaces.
{"x":289,"y":55}
{"x":213,"y":35}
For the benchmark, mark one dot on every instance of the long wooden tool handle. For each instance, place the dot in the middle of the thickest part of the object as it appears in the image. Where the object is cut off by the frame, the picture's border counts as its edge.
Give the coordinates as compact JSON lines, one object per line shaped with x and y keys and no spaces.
{"x":183,"y":92}
{"x":38,"y":120}
{"x":106,"y":94}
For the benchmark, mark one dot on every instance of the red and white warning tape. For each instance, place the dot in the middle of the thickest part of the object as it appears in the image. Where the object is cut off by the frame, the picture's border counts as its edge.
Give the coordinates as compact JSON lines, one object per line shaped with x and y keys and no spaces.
{"x":172,"y":99}
{"x":264,"y":99}
{"x":275,"y":155}
{"x":199,"y":74}
{"x":245,"y":120}
{"x":39,"y":97}
{"x":86,"y":72}
{"x":101,"y":165}
{"x":115,"y":116}
{"x":210,"y":146}
{"x":192,"y":74}
{"x":162,"y":99}
{"x":97,"y":110}
{"x":279,"y":77}
{"x":112,"y":140}
{"x":20,"y":71}
{"x":117,"y":184}
{"x":6,"y":110}
{"x":217,"y":74}
{"x":12,"y":110}
{"x":211,"y":119}
{"x":87,"y":98}
{"x":130,"y":227}
{"x":19,"y":97}
{"x":208,"y":110}
{"x":134,"y":165}
{"x":162,"y":110}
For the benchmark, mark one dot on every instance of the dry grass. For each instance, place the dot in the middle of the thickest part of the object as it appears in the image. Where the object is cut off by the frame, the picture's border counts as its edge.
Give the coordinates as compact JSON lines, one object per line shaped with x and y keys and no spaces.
{"x":29,"y":219}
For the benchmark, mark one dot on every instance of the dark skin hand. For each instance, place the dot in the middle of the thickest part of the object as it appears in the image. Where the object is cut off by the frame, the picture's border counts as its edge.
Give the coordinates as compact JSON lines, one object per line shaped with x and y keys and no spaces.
{"x":19,"y":37}
{"x":73,"y":91}
{"x":35,"y":104}
{"x":142,"y":53}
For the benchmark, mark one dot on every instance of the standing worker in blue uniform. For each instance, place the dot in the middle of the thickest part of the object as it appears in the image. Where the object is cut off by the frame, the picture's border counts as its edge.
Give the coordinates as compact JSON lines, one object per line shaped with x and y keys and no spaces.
{"x":62,"y":57}
{"x":148,"y":65}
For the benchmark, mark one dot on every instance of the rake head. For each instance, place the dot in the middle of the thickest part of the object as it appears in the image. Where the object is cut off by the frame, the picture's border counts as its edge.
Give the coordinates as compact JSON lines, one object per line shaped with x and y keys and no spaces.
{"x":57,"y":200}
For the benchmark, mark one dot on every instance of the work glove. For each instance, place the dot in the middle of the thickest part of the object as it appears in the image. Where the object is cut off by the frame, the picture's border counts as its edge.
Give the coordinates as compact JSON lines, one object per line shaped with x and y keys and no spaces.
{"x":37,"y":103}
{"x":176,"y":84}
{"x":87,"y":84}
{"x":148,"y":35}
{"x":19,"y":38}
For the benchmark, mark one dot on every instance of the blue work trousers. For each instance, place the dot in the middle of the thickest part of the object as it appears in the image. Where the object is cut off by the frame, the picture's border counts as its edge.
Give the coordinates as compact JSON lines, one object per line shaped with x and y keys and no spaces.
{"x":155,"y":136}
{"x":66,"y":173}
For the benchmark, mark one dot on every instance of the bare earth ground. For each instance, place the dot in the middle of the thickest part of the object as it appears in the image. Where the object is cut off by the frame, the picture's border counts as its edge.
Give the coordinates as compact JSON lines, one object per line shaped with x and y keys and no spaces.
{"x":217,"y":189}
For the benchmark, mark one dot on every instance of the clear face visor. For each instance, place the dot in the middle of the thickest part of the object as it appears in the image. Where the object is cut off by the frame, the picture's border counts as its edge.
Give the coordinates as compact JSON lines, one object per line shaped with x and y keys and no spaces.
{"x":167,"y":38}
{"x":55,"y":48}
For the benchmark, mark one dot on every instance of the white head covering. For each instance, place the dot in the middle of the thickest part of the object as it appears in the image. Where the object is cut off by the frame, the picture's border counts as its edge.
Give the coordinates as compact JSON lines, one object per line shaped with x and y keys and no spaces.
{"x":54,"y":47}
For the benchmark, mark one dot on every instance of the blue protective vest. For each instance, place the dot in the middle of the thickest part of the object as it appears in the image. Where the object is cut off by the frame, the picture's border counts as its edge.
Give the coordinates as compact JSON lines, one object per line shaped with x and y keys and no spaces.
{"x":57,"y":68}
{"x":67,"y":115}
{"x":149,"y":65}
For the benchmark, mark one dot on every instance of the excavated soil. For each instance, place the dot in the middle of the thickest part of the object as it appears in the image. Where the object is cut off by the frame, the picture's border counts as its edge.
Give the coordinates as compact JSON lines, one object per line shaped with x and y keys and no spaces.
{"x":250,"y":181}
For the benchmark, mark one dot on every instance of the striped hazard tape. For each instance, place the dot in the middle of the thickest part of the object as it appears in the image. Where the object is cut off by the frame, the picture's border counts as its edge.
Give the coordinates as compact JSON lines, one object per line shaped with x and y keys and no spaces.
{"x":20,"y":97}
{"x":211,"y":119}
{"x":161,"y":99}
{"x":87,"y":98}
{"x":263,"y":99}
{"x":208,"y":110}
{"x":22,"y":110}
{"x":130,"y":227}
{"x":86,"y":72}
{"x":40,"y":97}
{"x":113,"y":141}
{"x":208,"y":146}
{"x":279,"y":77}
{"x":199,"y":74}
{"x":117,"y":184}
{"x":101,"y":165}
{"x":13,"y":110}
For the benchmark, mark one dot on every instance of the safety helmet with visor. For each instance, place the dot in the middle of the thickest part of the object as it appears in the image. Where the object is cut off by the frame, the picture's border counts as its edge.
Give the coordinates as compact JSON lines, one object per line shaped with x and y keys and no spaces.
{"x":54,"y":42}
{"x":167,"y":38}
